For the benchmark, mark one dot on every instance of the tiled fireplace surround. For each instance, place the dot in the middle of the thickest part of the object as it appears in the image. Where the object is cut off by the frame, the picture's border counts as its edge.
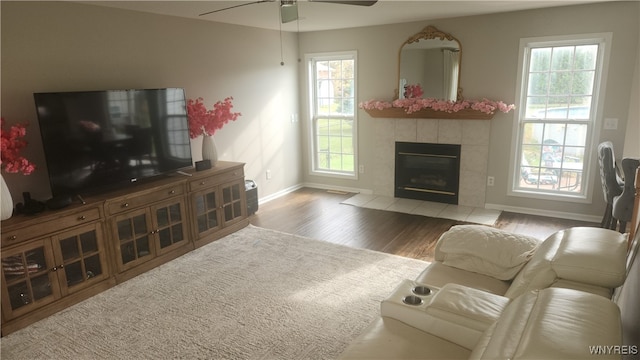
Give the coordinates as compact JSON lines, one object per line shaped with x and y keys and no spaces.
{"x":472,"y":135}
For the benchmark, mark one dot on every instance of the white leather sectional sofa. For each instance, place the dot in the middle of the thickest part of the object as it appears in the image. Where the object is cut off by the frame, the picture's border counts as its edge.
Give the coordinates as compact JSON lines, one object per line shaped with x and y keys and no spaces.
{"x":491,"y":294}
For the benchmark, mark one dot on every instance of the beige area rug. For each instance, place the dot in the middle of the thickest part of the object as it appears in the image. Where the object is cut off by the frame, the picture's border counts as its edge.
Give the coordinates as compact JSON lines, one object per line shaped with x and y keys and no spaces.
{"x":255,"y":294}
{"x":425,"y":208}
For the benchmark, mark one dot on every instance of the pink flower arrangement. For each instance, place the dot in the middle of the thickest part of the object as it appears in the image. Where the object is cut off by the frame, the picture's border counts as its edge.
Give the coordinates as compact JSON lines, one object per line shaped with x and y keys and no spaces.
{"x":10,"y":146}
{"x":206,"y":122}
{"x":412,"y":105}
{"x":413,"y":91}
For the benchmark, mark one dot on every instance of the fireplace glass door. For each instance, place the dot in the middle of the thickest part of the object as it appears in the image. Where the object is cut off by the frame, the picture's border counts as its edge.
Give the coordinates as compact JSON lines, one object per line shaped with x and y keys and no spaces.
{"x":427,"y":172}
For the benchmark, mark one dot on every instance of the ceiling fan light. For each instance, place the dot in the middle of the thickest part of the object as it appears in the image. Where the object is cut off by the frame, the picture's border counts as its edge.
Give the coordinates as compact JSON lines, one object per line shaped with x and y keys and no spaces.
{"x":288,"y":13}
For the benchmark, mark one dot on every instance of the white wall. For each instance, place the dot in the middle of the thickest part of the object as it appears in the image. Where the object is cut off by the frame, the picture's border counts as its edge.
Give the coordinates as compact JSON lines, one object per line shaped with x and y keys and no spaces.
{"x":489,"y":66}
{"x":56,"y":46}
{"x":632,"y":136}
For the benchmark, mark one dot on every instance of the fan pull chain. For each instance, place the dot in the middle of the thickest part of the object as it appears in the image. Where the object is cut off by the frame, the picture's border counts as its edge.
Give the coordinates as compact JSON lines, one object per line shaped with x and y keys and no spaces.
{"x":280,"y":32}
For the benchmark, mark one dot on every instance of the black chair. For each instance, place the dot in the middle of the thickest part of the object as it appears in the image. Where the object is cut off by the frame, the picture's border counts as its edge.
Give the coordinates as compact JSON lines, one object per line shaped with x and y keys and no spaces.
{"x":612,"y":184}
{"x":623,"y":203}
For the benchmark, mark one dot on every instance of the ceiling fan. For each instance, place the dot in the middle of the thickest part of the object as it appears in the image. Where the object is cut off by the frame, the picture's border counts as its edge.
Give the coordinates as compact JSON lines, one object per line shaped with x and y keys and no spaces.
{"x":289,"y":8}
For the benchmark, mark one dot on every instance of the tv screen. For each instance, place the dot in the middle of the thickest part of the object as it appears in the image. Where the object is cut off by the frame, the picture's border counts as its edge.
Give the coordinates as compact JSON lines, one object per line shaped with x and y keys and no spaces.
{"x":98,"y":140}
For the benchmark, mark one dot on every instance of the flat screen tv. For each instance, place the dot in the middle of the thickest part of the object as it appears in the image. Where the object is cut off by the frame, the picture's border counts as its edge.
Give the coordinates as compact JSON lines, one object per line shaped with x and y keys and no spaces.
{"x":98,"y":140}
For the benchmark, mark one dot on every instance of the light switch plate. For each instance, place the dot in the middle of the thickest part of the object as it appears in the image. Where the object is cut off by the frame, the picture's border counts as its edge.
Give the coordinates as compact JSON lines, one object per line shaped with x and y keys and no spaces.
{"x":610,"y":124}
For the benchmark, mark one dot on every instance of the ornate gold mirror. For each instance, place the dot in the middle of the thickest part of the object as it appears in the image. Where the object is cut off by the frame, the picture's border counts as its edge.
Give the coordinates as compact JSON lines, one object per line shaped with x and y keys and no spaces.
{"x":431,"y":59}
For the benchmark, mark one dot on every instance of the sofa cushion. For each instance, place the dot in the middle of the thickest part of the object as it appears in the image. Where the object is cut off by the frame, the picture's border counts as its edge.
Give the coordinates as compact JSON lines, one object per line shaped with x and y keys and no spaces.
{"x":485,"y":250}
{"x":438,"y":275}
{"x":552,"y":324}
{"x":586,"y":255}
{"x":388,"y":338}
{"x":592,"y":255}
{"x":461,"y":314}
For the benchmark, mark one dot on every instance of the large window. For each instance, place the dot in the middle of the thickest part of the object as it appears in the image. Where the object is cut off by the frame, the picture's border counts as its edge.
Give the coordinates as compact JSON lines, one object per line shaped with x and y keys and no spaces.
{"x":332,"y":103}
{"x":559,"y":99}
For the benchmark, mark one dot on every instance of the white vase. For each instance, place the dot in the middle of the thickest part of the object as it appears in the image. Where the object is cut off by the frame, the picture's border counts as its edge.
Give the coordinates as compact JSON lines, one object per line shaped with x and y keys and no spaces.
{"x":209,"y":150}
{"x":6,"y":200}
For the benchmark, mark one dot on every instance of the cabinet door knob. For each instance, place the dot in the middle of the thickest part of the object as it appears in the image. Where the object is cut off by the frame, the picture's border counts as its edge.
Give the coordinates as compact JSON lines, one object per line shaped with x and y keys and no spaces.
{"x":13,"y":237}
{"x":202,"y":182}
{"x":82,"y":217}
{"x":55,"y":268}
{"x":172,"y":192}
{"x":125,"y":205}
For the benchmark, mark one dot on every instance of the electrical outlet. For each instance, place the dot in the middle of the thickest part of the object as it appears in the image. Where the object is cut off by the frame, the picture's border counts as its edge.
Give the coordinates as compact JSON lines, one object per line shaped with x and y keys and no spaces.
{"x":361,"y":169}
{"x":491,"y":180}
{"x":268,"y":174}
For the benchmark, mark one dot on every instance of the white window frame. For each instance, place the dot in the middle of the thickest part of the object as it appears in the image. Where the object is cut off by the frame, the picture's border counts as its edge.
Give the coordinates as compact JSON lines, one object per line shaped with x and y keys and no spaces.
{"x":589,"y":171}
{"x":310,"y":59}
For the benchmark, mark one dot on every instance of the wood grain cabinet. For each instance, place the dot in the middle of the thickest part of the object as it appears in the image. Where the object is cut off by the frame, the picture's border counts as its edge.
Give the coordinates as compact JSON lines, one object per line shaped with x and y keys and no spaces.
{"x":218,"y":203}
{"x":58,"y":258}
{"x":44,"y":264}
{"x":148,"y":226}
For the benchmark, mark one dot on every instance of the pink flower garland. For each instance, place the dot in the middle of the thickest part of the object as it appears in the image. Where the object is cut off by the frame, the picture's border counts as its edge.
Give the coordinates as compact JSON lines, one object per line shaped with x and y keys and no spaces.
{"x":416,"y":104}
{"x":203,"y":121}
{"x":11,"y":143}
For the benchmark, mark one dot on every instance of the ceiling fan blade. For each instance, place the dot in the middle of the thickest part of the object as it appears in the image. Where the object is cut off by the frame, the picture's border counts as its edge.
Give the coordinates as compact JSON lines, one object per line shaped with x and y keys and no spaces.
{"x":349,"y":2}
{"x":288,"y":12}
{"x":236,"y":6}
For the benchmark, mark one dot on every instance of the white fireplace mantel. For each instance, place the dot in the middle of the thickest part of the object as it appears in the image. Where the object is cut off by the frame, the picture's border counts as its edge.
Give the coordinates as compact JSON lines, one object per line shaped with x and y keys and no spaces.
{"x":400,"y":113}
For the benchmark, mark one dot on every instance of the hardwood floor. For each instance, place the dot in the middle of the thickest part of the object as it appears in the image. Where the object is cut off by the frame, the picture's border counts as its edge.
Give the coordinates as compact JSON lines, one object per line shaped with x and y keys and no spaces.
{"x":318,"y":214}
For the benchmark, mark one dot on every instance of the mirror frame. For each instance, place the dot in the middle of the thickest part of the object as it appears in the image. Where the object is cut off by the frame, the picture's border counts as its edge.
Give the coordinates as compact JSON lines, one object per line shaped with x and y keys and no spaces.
{"x":431,"y":33}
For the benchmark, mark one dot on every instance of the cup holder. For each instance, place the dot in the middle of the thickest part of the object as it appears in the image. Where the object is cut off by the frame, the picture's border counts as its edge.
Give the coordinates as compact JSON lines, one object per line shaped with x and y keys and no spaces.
{"x":421,"y":290}
{"x":412,"y":300}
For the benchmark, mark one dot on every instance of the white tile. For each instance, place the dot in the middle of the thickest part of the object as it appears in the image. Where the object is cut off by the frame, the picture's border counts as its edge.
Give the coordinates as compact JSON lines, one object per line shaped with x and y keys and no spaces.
{"x":476,"y":132}
{"x":474,"y":158}
{"x":427,"y":130}
{"x":485,"y":212}
{"x":471,"y":214}
{"x":483,"y":216}
{"x":380,"y":203}
{"x":450,"y":132}
{"x":359,"y":199}
{"x":484,"y":220}
{"x":406,"y":130}
{"x":404,"y":205}
{"x":456,"y":212}
{"x":428,"y":208}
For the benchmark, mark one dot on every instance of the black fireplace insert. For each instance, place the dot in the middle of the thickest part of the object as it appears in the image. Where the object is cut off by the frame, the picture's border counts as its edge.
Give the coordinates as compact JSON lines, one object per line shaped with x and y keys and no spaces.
{"x":427,"y":171}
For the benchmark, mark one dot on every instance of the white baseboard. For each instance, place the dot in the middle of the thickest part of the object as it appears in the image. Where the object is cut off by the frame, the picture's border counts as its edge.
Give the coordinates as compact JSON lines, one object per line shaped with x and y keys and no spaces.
{"x":338,"y":188}
{"x":547,"y":213}
{"x":278,"y":194}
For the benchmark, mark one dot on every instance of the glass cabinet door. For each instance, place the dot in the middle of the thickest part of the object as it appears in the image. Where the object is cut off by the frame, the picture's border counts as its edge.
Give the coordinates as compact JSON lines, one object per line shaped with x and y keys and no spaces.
{"x":232,"y":201}
{"x":80,"y":257}
{"x":169,"y":225}
{"x":28,"y":273}
{"x":206,"y":210}
{"x":134,"y":238}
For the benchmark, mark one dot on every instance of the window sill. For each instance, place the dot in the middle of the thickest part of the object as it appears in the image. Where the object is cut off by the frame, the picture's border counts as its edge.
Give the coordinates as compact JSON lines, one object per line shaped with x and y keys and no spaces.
{"x":563,"y":197}
{"x":350,"y":176}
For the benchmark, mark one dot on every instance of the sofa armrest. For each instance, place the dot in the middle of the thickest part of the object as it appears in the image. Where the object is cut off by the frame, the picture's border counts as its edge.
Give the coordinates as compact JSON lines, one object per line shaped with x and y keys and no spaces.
{"x":553,"y":323}
{"x":455,"y":313}
{"x":387,"y":338}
